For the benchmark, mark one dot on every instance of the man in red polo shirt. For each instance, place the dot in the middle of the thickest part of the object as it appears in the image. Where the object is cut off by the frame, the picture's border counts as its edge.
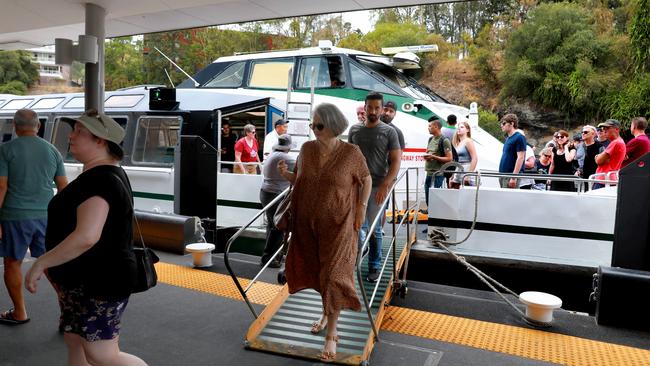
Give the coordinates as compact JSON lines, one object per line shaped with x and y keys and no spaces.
{"x":640,"y":144}
{"x":611,"y":159}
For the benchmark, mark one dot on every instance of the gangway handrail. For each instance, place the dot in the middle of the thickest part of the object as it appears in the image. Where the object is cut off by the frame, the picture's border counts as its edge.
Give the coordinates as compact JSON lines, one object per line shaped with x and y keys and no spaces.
{"x":555,"y":177}
{"x":360,"y":255}
{"x":232,"y":239}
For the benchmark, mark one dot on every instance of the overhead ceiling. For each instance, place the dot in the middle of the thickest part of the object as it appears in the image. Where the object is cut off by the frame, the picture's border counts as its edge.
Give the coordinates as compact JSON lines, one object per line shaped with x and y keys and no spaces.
{"x":32,"y":23}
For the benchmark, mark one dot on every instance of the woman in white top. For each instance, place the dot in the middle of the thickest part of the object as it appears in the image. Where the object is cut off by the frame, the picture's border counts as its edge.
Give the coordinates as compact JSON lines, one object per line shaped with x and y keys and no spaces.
{"x":467,"y":155}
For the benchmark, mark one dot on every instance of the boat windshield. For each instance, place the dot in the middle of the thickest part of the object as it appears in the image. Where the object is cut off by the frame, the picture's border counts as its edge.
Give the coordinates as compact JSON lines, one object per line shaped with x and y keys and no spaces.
{"x":407,"y":84}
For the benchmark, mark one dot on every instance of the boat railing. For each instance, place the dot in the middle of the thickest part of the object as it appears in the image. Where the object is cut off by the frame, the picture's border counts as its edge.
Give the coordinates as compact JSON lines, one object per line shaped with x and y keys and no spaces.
{"x":393,"y":247}
{"x":226,"y":254}
{"x":579,"y":182}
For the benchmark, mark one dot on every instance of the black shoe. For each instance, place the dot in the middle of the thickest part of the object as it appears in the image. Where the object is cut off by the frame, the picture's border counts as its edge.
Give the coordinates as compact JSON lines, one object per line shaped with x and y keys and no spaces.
{"x":425,"y":231}
{"x":275,"y":264}
{"x":373,"y":275}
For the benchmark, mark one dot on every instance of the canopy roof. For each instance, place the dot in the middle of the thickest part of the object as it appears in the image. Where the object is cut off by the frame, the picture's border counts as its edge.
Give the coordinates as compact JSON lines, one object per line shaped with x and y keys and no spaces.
{"x":33,"y":23}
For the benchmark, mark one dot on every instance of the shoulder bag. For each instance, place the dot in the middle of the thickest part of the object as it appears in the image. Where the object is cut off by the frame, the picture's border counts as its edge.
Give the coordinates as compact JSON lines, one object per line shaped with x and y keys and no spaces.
{"x":282,"y":218}
{"x":145,"y":258}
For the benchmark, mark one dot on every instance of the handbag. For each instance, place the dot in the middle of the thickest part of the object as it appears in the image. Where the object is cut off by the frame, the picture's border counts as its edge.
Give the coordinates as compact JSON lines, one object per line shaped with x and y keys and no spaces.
{"x":282,"y":217}
{"x":145,"y":258}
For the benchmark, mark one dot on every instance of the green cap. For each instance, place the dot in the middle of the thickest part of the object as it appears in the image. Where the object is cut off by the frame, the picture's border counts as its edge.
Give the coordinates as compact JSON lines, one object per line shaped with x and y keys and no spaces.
{"x":100,"y":125}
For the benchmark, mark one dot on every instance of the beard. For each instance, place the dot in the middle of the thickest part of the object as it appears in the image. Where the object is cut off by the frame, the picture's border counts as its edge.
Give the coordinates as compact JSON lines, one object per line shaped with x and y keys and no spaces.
{"x":372,"y":118}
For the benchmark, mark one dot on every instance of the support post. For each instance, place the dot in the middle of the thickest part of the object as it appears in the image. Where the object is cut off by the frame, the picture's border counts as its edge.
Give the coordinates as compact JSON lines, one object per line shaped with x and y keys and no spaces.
{"x":94,"y":85}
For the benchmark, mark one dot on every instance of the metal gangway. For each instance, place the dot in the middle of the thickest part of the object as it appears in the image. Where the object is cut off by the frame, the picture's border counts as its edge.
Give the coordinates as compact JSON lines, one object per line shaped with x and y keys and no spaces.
{"x":283,"y":327}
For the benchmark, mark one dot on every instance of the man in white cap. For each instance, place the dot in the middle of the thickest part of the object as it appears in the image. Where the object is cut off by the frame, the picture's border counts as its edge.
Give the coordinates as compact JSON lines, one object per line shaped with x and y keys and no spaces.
{"x":280,"y":127}
{"x":28,"y":166}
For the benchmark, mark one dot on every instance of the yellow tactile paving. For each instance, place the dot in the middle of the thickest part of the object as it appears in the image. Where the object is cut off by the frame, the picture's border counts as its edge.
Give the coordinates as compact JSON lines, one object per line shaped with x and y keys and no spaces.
{"x":523,"y":342}
{"x":214,"y":283}
{"x":517,"y":341}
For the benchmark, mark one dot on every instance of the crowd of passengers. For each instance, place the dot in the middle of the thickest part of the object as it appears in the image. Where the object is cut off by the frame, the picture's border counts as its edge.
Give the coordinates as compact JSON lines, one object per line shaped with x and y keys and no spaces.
{"x":82,"y":237}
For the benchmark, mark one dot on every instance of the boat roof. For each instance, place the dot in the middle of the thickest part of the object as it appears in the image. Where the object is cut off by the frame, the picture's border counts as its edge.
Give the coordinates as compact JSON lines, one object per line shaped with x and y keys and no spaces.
{"x":309,"y":51}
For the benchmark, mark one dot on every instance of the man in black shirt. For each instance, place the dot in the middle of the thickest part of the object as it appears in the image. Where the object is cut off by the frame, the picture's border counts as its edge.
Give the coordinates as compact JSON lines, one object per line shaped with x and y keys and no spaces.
{"x":228,"y":140}
{"x":592,"y":148}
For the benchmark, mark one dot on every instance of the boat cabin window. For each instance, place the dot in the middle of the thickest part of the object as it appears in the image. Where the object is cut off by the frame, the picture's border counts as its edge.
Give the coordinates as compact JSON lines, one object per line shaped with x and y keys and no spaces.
{"x":329,"y":72}
{"x":155,"y":139}
{"x":270,"y":74}
{"x":47,"y":103}
{"x":17,"y":104}
{"x":363,"y":80}
{"x":123,"y":101}
{"x":2,"y":101}
{"x":6,"y":129}
{"x":61,"y":137}
{"x":231,"y":77}
{"x":76,"y":102}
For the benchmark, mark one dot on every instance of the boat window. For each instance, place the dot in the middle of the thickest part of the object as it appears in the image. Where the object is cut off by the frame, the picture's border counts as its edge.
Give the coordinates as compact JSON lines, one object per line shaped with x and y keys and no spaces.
{"x":329,"y":72}
{"x":2,"y":101}
{"x":123,"y":101}
{"x":363,"y":80}
{"x":155,"y":139}
{"x":406,"y":83}
{"x":231,"y":77}
{"x":6,"y":129}
{"x":61,"y":139}
{"x":47,"y":103}
{"x":272,"y":74}
{"x":76,"y":102}
{"x":17,"y":104}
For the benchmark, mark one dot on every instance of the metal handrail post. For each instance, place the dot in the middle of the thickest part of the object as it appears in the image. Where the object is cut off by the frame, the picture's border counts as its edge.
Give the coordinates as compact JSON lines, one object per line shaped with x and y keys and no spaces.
{"x":393,"y":244}
{"x":232,"y":239}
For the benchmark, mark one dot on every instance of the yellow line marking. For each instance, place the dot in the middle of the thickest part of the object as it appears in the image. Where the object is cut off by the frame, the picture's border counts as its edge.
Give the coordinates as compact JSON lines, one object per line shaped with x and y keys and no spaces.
{"x":517,"y":341}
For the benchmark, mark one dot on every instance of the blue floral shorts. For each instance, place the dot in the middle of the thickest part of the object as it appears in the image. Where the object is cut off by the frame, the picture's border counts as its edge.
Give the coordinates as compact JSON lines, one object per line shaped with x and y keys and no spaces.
{"x":92,"y":319}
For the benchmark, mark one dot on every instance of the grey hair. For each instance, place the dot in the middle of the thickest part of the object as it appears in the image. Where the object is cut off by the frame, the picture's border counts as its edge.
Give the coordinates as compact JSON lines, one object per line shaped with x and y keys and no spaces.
{"x":26,"y":118}
{"x":331,"y":117}
{"x":249,"y":128}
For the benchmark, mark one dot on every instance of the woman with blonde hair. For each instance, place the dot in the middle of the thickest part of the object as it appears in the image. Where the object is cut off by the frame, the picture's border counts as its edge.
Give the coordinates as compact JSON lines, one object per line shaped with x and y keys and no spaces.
{"x":467,"y":155}
{"x":331,"y":187}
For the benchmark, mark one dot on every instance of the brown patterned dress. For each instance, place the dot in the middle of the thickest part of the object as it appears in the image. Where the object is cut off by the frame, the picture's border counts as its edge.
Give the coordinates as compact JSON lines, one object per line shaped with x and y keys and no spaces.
{"x":323,"y":250}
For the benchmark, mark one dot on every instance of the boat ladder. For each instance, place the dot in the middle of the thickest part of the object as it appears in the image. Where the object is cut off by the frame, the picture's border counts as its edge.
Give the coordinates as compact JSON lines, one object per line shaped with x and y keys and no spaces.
{"x":284,"y":325}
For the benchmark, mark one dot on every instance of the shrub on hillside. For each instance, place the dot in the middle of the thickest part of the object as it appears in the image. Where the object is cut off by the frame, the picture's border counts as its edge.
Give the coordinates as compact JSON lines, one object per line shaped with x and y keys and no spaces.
{"x":13,"y":87}
{"x":489,"y":122}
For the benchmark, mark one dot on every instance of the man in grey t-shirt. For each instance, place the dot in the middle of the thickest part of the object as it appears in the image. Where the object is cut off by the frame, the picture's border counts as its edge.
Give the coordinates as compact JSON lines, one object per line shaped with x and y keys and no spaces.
{"x":387,"y":116}
{"x":379,"y":144}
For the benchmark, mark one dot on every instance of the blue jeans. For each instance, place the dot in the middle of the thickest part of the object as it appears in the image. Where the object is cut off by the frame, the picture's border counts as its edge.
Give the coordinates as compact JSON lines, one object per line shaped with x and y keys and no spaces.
{"x":437,"y":183}
{"x":375,"y":243}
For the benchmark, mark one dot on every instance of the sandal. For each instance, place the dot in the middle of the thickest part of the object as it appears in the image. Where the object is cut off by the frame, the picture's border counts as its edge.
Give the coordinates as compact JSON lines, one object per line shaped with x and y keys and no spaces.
{"x":327,"y":356}
{"x":317,"y":326}
{"x":8,"y":318}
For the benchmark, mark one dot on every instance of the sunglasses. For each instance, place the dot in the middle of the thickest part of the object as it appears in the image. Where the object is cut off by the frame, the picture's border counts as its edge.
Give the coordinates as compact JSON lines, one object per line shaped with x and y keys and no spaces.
{"x":504,"y":123}
{"x":548,"y":156}
{"x":253,"y":132}
{"x":585,"y":132}
{"x":318,"y":126}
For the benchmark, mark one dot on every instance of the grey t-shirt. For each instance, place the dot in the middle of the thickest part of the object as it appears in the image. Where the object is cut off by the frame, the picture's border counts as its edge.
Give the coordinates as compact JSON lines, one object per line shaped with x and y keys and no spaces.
{"x":400,"y":136}
{"x":375,"y":144}
{"x":448,"y":132}
{"x":273,"y":181}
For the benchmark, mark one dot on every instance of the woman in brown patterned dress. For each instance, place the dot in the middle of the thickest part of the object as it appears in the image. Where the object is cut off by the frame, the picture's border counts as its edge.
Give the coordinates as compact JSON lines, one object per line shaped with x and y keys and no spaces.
{"x":331,"y":187}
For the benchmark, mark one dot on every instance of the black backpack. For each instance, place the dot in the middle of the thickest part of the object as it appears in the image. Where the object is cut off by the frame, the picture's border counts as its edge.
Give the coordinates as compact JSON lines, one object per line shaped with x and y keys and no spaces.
{"x":441,"y":152}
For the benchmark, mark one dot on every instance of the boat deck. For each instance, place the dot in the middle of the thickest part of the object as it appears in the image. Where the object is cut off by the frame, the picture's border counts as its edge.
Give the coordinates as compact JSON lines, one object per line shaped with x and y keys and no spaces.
{"x":197,"y":317}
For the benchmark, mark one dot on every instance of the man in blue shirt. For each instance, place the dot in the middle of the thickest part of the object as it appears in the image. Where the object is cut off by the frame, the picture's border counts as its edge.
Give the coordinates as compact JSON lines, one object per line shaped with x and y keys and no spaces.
{"x":514,"y":151}
{"x":28,"y":166}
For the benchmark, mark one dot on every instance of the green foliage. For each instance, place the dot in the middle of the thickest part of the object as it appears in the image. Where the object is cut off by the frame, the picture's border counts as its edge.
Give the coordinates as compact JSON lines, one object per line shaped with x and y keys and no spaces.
{"x":557,"y":58}
{"x":17,"y":66}
{"x":489,"y":122}
{"x":632,"y":101}
{"x":13,"y":87}
{"x":123,"y":63}
{"x":640,"y":36}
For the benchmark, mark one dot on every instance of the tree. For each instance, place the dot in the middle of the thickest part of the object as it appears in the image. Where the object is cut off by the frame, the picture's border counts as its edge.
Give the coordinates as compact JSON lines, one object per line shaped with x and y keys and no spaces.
{"x":17,"y":72}
{"x":640,"y":36}
{"x":123,"y":65}
{"x":557,"y":58}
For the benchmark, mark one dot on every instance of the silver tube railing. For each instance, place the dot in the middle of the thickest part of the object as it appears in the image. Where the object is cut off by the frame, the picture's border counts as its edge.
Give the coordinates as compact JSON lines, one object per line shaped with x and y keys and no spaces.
{"x":392,"y":247}
{"x":552,"y":177}
{"x":232,"y":239}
